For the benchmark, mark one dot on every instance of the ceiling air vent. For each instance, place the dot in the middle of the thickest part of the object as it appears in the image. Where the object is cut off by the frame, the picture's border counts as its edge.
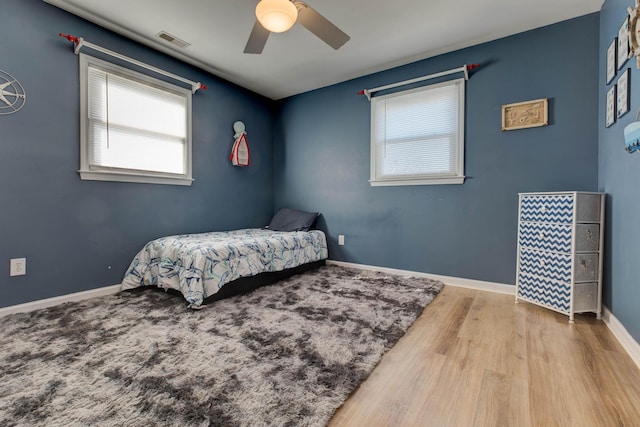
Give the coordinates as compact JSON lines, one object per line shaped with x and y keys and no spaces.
{"x":172,"y":39}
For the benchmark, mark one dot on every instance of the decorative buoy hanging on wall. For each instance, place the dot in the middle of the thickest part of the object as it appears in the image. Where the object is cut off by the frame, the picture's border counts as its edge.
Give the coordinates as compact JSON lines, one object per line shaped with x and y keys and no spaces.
{"x":240,"y":153}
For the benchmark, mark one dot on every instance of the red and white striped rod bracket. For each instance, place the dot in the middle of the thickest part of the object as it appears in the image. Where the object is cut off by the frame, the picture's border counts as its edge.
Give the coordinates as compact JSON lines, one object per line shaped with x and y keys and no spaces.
{"x":79,"y":42}
{"x":464,"y":69}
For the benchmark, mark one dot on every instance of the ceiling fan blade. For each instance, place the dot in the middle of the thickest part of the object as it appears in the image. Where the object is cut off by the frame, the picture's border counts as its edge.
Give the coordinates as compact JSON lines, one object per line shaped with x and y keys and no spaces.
{"x":320,"y":26}
{"x":257,"y":39}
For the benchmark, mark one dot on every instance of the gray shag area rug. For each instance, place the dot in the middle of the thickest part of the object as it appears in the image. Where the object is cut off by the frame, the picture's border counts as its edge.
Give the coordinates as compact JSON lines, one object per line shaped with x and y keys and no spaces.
{"x":288,"y":354}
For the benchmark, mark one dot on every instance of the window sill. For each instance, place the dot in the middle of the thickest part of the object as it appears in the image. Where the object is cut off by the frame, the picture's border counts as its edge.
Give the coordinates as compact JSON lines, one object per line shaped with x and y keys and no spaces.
{"x":130,"y":177}
{"x":434,"y":181}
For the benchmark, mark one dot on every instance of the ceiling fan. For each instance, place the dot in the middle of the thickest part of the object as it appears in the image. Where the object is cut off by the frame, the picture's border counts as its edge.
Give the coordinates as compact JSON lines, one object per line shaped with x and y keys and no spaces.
{"x":277,"y":16}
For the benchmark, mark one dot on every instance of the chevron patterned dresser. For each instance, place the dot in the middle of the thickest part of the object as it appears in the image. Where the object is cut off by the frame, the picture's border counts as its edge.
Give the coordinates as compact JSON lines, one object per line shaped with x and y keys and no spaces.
{"x":560,"y":246}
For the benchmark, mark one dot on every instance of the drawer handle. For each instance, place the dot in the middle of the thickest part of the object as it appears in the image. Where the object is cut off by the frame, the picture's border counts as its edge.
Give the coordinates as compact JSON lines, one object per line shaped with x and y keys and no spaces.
{"x":541,"y":235}
{"x":590,"y":234}
{"x":542,"y":263}
{"x":583,"y":263}
{"x":543,"y":208}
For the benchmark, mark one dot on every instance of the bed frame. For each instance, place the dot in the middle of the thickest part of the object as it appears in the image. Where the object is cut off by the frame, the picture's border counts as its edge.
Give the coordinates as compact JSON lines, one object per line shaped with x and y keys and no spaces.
{"x":243,"y":285}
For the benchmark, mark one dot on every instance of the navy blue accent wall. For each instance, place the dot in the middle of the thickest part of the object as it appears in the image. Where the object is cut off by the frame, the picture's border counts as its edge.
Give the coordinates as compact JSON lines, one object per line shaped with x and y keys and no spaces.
{"x":619,"y":176}
{"x":78,"y":235}
{"x":321,"y":151}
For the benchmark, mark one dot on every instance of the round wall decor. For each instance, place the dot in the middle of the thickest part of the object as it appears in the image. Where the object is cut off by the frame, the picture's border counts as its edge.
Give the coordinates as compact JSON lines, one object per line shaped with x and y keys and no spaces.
{"x":12,"y":96}
{"x":634,"y":26}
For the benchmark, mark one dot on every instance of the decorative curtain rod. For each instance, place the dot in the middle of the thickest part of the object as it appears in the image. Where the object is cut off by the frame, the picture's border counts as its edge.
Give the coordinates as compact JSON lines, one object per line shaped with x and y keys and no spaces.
{"x":79,"y":42}
{"x":465,"y":68}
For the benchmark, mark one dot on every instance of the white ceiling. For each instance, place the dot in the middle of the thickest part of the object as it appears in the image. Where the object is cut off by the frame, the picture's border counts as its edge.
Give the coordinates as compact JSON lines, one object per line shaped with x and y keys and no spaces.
{"x":383,"y":34}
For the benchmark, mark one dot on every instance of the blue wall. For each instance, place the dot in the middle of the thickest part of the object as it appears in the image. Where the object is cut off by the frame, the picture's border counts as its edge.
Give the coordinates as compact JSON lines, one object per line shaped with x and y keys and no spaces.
{"x":619,"y":176}
{"x":322,"y":156}
{"x":78,"y":235}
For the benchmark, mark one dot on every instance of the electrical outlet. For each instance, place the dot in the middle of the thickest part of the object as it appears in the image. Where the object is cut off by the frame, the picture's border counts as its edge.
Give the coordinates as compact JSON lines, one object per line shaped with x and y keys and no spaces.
{"x":341,"y":239}
{"x":18,"y":267}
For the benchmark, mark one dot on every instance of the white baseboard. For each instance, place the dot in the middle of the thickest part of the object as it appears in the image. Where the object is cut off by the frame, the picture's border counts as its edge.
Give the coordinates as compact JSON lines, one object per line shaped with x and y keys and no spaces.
{"x":618,"y":330}
{"x":447,"y":280}
{"x":50,"y":302}
{"x":622,"y":335}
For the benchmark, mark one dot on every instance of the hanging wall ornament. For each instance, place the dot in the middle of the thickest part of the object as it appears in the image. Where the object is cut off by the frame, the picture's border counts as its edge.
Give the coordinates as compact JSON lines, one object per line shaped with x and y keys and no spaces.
{"x":634,"y":32}
{"x":240,"y":151}
{"x":12,"y":96}
{"x":632,"y":135}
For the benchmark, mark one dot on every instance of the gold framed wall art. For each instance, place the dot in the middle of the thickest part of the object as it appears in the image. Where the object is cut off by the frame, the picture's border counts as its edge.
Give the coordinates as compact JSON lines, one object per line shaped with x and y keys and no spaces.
{"x":526,"y":114}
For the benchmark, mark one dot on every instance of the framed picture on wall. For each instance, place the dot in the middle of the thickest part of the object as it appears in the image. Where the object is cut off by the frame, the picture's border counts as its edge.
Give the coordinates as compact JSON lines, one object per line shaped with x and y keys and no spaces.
{"x":611,"y":107}
{"x":623,"y":98}
{"x":623,"y":43}
{"x":526,"y":114}
{"x":611,"y":60}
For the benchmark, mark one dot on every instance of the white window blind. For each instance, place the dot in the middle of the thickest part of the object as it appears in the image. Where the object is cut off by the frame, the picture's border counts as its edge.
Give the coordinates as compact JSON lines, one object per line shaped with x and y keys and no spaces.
{"x":417,"y":136}
{"x":135,"y":128}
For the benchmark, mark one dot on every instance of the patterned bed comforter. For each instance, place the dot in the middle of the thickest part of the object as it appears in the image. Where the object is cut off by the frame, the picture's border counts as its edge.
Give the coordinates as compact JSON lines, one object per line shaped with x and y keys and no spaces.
{"x":198,"y":265}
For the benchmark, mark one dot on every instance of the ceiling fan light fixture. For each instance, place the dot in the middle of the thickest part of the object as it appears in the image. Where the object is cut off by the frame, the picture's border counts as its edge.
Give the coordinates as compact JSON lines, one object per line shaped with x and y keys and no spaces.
{"x":276,"y":16}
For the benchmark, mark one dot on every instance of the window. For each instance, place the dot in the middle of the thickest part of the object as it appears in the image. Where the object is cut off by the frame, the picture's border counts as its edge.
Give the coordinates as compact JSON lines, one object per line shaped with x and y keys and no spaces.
{"x":134,"y":128}
{"x":417,"y":136}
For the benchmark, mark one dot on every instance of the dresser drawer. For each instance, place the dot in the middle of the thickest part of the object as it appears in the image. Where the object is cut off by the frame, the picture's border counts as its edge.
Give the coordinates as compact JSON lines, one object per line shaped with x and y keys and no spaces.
{"x":588,"y":208}
{"x":585,"y":296}
{"x":557,"y":208}
{"x":548,"y":237}
{"x":551,"y":293}
{"x":586,"y":267}
{"x":550,"y":265}
{"x":587,"y":237}
{"x":557,"y":237}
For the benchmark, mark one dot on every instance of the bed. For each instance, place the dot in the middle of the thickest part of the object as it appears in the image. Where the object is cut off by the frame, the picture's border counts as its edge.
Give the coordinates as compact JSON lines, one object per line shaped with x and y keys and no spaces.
{"x":200,"y":265}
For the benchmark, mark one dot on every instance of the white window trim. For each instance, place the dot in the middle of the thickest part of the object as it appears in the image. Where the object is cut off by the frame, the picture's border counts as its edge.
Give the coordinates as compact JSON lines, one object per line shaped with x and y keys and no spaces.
{"x":422,"y":181}
{"x":457,"y":178}
{"x":125,"y":175}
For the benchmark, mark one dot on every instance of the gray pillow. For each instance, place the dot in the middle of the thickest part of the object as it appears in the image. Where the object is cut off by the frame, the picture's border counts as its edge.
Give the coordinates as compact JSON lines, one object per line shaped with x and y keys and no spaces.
{"x":292,"y":220}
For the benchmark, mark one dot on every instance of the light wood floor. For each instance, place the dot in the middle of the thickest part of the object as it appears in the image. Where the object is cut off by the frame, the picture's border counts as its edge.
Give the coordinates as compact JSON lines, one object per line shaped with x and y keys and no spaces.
{"x":477,"y":359}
